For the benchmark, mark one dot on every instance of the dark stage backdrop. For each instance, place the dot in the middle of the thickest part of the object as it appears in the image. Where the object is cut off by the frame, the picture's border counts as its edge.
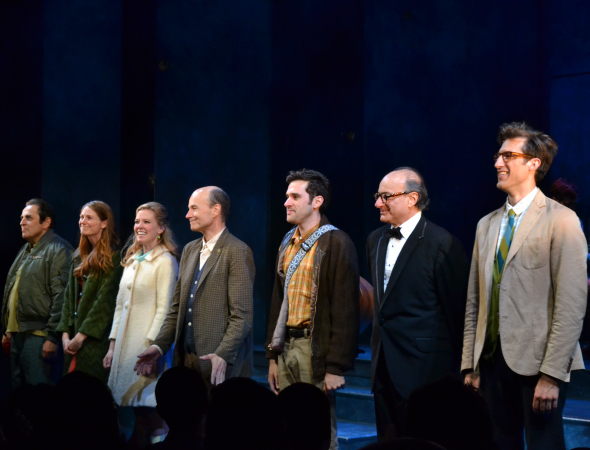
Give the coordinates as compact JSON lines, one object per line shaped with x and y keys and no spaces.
{"x":131,"y":101}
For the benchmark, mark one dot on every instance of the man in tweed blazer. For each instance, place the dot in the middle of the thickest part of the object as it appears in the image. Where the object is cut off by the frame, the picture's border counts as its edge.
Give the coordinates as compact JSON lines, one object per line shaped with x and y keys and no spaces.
{"x":210,"y":320}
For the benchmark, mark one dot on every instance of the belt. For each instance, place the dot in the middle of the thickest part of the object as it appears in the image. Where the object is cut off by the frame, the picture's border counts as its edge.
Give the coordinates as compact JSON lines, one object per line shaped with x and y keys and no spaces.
{"x":298,"y":332}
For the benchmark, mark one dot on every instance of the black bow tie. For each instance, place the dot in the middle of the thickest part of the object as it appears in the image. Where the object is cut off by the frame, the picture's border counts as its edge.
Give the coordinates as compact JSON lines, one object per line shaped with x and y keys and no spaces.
{"x":394,"y":233}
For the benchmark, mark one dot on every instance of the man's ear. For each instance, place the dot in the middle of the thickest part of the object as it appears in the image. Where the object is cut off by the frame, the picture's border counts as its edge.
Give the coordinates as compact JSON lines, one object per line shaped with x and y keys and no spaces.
{"x":317,"y":202}
{"x":534,"y":164}
{"x":46,"y":223}
{"x":412,"y":199}
{"x":216,"y":210}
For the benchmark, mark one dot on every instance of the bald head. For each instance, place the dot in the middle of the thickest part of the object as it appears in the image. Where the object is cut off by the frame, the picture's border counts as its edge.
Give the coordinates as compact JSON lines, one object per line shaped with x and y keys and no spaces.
{"x":208,"y":207}
{"x":215,"y":196}
{"x":412,"y":182}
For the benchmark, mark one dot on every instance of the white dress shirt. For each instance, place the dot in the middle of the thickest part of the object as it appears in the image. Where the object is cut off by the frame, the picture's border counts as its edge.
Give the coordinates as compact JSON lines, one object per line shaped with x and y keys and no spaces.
{"x":395,"y":246}
{"x":519,"y":209}
{"x":207,"y":248}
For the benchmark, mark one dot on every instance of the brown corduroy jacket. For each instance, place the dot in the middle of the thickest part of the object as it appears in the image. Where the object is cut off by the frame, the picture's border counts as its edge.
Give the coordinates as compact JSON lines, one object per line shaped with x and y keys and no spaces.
{"x":334,"y":304}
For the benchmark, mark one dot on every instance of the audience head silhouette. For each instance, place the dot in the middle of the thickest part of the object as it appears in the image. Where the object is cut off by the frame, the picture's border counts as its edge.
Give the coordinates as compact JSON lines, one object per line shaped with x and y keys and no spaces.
{"x":243,"y":414}
{"x":451,"y":414}
{"x":87,"y":414}
{"x":306,"y":412}
{"x":181,"y":397}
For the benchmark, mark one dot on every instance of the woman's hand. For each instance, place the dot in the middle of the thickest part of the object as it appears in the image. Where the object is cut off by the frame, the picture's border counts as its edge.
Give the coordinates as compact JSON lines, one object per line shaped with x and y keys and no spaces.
{"x":65,"y":340}
{"x":75,"y":344}
{"x":108,"y":359}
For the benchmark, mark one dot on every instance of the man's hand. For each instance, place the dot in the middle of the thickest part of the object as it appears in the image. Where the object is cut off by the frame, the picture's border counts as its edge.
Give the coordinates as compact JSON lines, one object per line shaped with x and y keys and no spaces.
{"x":146,"y":362}
{"x":218,"y":371}
{"x":472,"y":379}
{"x":333,"y":382}
{"x":273,"y":376}
{"x":75,"y":344}
{"x":6,"y":338}
{"x":546,"y":395}
{"x":49,"y":350}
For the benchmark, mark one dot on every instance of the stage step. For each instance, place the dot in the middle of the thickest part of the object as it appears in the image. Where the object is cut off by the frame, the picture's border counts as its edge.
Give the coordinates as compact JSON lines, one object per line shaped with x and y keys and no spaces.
{"x":356,"y":414}
{"x":576,"y":423}
{"x":355,"y":435}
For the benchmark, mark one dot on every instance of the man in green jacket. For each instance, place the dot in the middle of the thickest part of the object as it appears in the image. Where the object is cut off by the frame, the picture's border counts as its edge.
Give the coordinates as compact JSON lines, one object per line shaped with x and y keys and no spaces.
{"x":33,"y":296}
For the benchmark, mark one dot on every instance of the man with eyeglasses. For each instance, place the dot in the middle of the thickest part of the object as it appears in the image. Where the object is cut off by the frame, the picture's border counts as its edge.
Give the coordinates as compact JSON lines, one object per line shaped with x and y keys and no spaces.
{"x":419,"y":274}
{"x":526,"y":298}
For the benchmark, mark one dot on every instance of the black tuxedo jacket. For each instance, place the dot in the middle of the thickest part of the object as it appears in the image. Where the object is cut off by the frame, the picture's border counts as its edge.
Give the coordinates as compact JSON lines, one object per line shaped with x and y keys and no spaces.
{"x":418,"y":320}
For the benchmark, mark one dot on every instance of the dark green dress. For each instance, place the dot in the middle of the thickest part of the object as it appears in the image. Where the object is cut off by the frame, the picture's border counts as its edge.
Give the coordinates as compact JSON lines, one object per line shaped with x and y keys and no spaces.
{"x":92,"y":316}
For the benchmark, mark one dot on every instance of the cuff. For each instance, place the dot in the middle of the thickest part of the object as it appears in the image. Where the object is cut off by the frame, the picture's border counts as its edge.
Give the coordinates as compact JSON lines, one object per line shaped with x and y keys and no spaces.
{"x":334,"y":370}
{"x":159,"y":349}
{"x":51,"y":336}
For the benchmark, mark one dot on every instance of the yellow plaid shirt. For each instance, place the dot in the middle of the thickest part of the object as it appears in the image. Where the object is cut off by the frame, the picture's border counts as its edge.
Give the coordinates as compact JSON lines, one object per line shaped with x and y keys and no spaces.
{"x":299,"y":289}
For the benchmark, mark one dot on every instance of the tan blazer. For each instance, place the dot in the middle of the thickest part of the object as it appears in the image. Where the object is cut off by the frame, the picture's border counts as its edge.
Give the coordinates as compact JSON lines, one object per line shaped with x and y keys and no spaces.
{"x":542,"y":294}
{"x":222,"y":309}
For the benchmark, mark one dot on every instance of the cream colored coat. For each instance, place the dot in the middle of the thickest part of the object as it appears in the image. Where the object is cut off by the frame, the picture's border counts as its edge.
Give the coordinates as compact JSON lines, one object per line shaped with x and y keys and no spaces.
{"x":145,"y":293}
{"x":542,"y":293}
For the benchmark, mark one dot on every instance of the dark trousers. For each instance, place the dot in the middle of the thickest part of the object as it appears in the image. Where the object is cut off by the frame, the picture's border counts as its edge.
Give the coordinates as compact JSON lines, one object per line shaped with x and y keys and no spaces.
{"x":390,"y":407}
{"x":510,"y":399}
{"x":26,"y":363}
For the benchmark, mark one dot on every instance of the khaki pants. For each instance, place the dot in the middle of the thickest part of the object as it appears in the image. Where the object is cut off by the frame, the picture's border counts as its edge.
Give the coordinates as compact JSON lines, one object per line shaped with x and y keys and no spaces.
{"x":295,"y":367}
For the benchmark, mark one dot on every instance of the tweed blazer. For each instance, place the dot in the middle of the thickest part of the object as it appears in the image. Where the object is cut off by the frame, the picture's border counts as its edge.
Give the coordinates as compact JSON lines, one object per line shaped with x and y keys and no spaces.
{"x":542,"y":293}
{"x":222,"y":309}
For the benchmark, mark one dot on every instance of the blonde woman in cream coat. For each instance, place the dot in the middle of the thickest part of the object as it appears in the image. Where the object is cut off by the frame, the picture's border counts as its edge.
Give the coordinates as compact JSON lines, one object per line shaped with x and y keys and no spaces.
{"x":145,"y":293}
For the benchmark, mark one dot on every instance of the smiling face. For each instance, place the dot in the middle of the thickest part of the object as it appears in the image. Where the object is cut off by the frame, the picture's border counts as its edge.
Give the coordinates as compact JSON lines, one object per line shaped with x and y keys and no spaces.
{"x":399,"y":209}
{"x":32,"y":229}
{"x":90,"y":224}
{"x":200,"y":215}
{"x":146,"y":229}
{"x":299,"y":207}
{"x":518,"y":173}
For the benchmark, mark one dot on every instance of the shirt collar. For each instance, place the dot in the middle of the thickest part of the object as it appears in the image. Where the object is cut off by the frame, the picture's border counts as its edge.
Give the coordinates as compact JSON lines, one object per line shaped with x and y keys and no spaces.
{"x":210,"y":244}
{"x":297,"y":235}
{"x":524,"y":203}
{"x":408,"y":226}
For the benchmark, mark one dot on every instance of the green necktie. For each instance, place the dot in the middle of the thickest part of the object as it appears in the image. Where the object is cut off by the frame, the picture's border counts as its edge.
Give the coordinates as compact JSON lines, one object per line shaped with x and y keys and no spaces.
{"x":491,"y":341}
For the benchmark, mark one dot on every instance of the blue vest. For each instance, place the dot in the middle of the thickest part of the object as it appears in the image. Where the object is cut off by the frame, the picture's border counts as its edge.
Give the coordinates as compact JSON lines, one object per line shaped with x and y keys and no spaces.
{"x":188,"y":332}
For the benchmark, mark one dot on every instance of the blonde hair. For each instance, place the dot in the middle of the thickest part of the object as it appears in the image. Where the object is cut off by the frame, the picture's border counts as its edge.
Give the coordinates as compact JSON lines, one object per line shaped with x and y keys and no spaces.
{"x":166,"y":237}
{"x":98,"y":258}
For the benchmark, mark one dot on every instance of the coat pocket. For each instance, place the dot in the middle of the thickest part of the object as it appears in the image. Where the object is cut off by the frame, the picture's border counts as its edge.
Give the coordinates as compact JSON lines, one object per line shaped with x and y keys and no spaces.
{"x":535,"y":252}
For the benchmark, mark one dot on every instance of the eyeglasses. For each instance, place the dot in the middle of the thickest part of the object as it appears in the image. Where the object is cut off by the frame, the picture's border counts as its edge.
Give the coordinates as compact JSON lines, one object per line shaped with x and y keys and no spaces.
{"x":385,"y":197}
{"x":507,"y":156}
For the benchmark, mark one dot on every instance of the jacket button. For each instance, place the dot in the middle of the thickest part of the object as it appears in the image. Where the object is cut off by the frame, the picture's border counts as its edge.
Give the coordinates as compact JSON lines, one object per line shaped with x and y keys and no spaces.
{"x":381,"y":321}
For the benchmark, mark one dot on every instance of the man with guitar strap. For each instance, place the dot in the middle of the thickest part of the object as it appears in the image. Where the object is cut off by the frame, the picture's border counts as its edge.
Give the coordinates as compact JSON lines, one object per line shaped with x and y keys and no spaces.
{"x":314,"y":315}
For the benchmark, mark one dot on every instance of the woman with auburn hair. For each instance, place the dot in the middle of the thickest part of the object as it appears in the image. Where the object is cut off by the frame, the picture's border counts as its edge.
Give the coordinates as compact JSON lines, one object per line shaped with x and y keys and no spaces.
{"x":145,"y":293}
{"x":91,"y":293}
